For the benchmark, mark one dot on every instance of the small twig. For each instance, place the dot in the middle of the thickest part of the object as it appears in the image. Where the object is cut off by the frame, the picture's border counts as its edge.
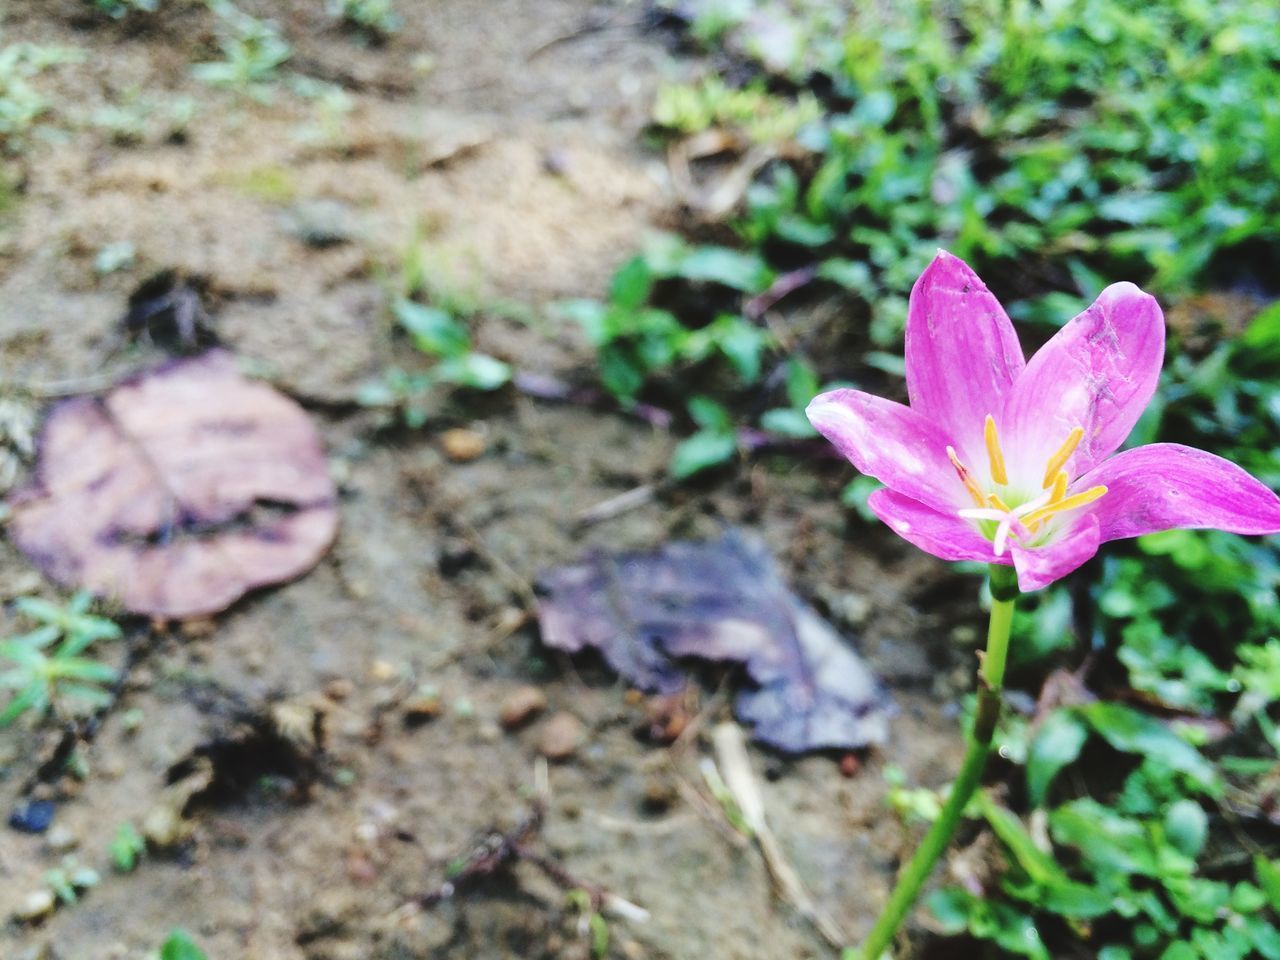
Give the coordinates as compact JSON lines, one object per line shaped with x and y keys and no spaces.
{"x":75,"y":386}
{"x":588,"y":28}
{"x":542,"y":386}
{"x":731,"y":752}
{"x":499,"y":851}
{"x":787,"y":283}
{"x":617,"y":505}
{"x":517,"y":582}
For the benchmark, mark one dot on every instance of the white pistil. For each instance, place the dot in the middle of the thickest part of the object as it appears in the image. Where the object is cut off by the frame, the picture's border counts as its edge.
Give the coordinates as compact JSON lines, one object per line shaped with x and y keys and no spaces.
{"x":1008,"y":521}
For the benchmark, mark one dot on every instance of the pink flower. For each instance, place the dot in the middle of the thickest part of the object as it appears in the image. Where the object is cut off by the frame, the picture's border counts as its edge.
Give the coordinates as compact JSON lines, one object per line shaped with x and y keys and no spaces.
{"x":1010,"y":461}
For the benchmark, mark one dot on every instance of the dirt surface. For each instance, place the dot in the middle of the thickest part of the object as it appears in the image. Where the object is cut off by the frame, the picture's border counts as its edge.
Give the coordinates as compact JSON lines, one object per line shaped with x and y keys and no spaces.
{"x":505,"y":136}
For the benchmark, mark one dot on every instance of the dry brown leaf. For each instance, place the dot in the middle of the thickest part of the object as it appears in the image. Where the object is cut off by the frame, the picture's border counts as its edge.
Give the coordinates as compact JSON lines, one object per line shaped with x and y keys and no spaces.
{"x":178,"y":491}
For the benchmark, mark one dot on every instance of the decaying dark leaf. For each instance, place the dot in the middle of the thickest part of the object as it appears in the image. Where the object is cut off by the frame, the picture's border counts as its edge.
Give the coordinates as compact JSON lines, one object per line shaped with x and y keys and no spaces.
{"x":178,"y":491}
{"x":722,"y":601}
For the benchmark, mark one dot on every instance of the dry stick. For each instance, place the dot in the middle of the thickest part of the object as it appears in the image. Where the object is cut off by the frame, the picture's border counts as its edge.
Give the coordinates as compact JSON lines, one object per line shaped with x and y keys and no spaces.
{"x":617,"y":505}
{"x":498,"y":851}
{"x":731,"y":752}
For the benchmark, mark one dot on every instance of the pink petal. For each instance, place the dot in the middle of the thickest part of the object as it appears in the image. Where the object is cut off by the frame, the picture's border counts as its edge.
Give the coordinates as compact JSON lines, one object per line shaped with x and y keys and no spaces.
{"x":944,"y":535}
{"x":1167,"y":485}
{"x":961,"y":351}
{"x":890,"y":442}
{"x":1098,"y":372}
{"x":1039,"y":566}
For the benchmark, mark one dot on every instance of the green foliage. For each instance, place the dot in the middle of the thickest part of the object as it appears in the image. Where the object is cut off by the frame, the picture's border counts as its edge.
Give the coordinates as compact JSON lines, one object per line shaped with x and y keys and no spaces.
{"x":1106,"y":140}
{"x":69,"y":879}
{"x":714,"y":443}
{"x":638,"y":341}
{"x":375,"y":16}
{"x":180,"y":946}
{"x":47,"y":669}
{"x":127,"y":847}
{"x":643,"y":346}
{"x":1192,"y":619}
{"x":762,"y":117}
{"x":253,"y":51}
{"x":21,"y":104}
{"x":443,"y":337}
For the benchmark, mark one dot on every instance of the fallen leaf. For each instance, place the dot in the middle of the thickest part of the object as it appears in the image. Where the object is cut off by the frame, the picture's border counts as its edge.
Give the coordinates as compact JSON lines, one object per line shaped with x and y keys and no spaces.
{"x":178,"y":491}
{"x":722,"y":601}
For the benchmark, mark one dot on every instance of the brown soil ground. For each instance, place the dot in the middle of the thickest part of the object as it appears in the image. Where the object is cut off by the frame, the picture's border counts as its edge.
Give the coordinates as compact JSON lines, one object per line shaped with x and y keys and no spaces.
{"x":506,"y":136}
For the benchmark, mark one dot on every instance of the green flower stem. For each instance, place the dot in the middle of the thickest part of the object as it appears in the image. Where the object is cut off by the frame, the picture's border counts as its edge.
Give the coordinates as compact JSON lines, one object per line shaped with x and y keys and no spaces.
{"x":1004,"y":590}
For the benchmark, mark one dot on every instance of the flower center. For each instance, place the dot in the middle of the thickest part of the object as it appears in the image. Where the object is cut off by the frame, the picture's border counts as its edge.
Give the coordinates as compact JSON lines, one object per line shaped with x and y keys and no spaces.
{"x":1028,"y":517}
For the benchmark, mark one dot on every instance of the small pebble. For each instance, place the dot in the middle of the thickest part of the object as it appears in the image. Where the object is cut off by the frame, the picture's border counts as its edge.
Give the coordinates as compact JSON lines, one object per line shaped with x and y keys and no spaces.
{"x":61,"y":839}
{"x":850,"y":765}
{"x":34,"y":816}
{"x":659,"y":794}
{"x":36,"y":905}
{"x":462,"y":446}
{"x":521,"y":706}
{"x":382,"y":671}
{"x":561,"y":736}
{"x":424,"y":705}
{"x":339,"y":689}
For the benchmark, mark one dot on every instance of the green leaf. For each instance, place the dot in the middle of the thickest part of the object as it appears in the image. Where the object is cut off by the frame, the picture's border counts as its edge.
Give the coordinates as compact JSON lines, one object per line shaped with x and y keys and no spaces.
{"x":80,"y":669}
{"x":180,"y":946}
{"x":1268,"y":873}
{"x":703,"y":450}
{"x":592,"y":316}
{"x":1129,"y":731}
{"x":742,"y":344}
{"x":127,"y":847}
{"x":802,"y":383}
{"x":1039,"y":866}
{"x":710,"y":415}
{"x":788,"y":422}
{"x":34,"y":696}
{"x":621,"y":372}
{"x":478,"y":371}
{"x":1186,"y":826}
{"x":732,"y":268}
{"x":631,"y":284}
{"x":1180,"y":951}
{"x":1057,"y":743}
{"x":432,"y":329}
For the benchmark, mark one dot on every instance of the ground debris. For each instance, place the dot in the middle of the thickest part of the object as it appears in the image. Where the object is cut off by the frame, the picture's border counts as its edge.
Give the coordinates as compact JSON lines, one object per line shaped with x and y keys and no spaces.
{"x":496,"y":852}
{"x":721,"y":601}
{"x":521,"y":706}
{"x":561,"y":736}
{"x":178,"y":491}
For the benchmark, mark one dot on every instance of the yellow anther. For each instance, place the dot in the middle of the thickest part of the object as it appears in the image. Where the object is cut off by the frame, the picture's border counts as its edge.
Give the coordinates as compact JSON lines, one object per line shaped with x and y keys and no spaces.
{"x":1059,"y":487}
{"x":994,"y":453}
{"x":1070,"y":503}
{"x":966,"y":478}
{"x":998,"y":503}
{"x":1058,"y":459}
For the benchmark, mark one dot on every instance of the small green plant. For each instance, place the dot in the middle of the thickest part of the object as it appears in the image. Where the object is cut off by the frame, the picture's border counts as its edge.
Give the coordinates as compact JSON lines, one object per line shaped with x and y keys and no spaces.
{"x":593,"y":922}
{"x":253,"y":51}
{"x":761,"y":116}
{"x":70,"y":879}
{"x":21,"y":105}
{"x":444,"y":338}
{"x":637,"y":340}
{"x":377,"y":17}
{"x":127,"y":847}
{"x":47,"y":669}
{"x":180,"y":946}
